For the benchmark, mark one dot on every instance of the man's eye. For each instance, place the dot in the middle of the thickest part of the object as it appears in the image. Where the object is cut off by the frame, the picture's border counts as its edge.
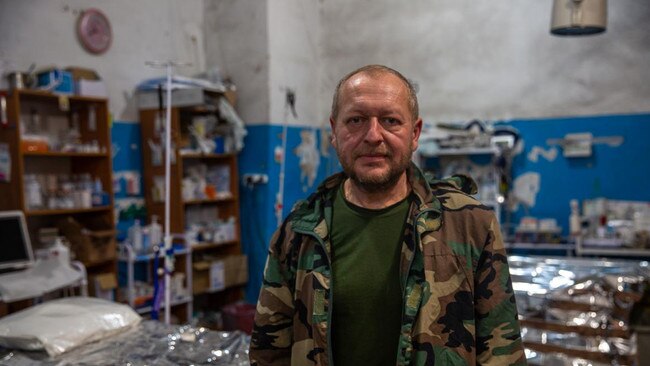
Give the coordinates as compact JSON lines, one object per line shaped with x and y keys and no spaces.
{"x":355,"y":120}
{"x":391,"y":121}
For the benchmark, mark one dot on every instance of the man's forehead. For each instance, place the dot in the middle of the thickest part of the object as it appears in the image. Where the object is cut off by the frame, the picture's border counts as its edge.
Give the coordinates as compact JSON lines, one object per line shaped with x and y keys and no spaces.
{"x":364,"y":84}
{"x":373,"y":77}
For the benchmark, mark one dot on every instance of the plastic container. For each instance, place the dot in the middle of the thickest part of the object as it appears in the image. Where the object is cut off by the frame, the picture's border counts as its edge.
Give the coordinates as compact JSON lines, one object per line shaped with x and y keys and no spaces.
{"x":136,"y":237}
{"x":155,"y":231}
{"x":55,"y":80}
{"x":239,"y":316}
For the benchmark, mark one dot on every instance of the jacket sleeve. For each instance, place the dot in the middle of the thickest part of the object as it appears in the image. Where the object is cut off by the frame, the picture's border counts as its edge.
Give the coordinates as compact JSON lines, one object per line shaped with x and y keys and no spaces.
{"x":272,"y":331}
{"x":498,"y":335}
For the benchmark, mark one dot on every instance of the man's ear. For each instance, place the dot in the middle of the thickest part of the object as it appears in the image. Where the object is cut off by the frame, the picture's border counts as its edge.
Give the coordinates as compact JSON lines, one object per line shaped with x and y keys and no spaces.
{"x":333,"y":134}
{"x":417,"y":129}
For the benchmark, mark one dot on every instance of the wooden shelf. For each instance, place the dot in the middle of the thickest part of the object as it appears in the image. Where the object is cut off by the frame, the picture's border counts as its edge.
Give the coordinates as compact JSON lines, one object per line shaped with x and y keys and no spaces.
{"x":211,"y":291}
{"x":465,"y":151}
{"x":67,"y":211}
{"x":174,"y":302}
{"x":210,"y":201}
{"x":206,"y":246}
{"x":61,"y":154}
{"x":150,"y":256}
{"x":183,"y":213}
{"x":57,"y":112}
{"x":617,"y":252}
{"x":42,"y":94}
{"x":205,"y":156}
{"x":99,"y":263}
{"x":540,"y":246}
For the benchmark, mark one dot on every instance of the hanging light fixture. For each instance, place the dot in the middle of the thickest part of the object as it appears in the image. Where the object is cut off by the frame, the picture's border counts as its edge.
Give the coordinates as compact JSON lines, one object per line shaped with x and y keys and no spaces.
{"x":578,"y":17}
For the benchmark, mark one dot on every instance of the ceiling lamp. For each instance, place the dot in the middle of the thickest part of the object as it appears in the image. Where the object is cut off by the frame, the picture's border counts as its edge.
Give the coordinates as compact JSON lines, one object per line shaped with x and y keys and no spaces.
{"x":578,"y":17}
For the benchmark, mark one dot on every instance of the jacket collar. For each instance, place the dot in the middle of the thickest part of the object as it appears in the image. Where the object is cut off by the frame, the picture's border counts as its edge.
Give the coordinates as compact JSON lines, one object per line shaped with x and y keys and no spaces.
{"x":310,"y":213}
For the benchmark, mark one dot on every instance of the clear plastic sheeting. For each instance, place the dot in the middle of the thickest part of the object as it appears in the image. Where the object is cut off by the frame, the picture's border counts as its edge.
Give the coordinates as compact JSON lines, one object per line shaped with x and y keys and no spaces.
{"x":578,"y":311}
{"x":558,"y":359}
{"x":150,"y":343}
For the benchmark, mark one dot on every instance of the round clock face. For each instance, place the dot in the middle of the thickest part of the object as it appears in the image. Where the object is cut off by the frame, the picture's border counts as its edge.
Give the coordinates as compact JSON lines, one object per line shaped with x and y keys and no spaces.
{"x":94,"y":31}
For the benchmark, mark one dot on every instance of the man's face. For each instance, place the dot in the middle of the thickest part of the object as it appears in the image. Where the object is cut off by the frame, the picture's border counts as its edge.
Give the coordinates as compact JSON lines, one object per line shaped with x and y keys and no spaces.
{"x":374,"y":133}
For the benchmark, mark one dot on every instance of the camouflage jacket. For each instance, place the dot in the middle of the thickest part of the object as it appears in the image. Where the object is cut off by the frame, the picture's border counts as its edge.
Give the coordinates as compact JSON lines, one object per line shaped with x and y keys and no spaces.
{"x":459,"y":307}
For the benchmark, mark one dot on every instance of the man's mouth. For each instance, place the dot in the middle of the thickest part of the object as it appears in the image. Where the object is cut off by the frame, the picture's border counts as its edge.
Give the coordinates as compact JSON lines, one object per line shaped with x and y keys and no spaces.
{"x":372,"y":158}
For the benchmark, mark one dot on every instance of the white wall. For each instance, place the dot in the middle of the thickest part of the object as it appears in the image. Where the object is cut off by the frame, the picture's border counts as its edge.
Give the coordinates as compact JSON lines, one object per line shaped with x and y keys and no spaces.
{"x":489,"y":60}
{"x":493,"y":59}
{"x":295,"y":60}
{"x":43,"y":32}
{"x":236,"y":33}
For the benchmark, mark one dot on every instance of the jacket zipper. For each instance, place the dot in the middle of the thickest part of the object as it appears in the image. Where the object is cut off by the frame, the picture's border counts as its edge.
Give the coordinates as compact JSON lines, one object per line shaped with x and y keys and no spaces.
{"x":330,"y":355}
{"x":417,"y":245}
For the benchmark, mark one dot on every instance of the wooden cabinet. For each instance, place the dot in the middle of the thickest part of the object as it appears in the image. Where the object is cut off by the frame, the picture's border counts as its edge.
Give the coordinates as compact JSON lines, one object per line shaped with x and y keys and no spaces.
{"x":60,"y":172}
{"x":205,"y":210}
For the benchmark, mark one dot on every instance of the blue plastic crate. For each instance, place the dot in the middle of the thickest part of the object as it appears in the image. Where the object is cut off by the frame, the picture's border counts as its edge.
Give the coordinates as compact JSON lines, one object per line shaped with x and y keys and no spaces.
{"x":55,"y":80}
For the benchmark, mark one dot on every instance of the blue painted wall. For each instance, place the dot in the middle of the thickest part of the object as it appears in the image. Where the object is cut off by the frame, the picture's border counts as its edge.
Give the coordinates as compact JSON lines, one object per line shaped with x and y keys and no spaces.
{"x":258,"y":220}
{"x":127,"y":157}
{"x":621,"y":173}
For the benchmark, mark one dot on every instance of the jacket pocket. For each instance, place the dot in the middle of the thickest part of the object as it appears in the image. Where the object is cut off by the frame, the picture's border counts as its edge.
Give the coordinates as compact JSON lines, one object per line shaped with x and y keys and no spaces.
{"x":446,"y":317}
{"x":444,"y":269}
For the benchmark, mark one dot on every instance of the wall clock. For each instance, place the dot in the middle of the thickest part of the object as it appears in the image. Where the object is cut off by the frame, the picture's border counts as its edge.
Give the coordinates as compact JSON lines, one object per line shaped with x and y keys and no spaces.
{"x":94,"y":31}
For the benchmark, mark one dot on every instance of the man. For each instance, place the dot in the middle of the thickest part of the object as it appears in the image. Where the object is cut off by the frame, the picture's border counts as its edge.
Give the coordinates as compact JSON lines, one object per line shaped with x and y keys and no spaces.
{"x":380,"y":266}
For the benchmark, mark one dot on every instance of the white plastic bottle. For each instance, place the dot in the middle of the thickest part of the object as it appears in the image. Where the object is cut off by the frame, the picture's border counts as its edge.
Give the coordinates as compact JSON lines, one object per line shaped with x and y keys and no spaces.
{"x":135,"y":237}
{"x":97,"y":193}
{"x":33,"y":189}
{"x":155,"y":231}
{"x":574,"y":218}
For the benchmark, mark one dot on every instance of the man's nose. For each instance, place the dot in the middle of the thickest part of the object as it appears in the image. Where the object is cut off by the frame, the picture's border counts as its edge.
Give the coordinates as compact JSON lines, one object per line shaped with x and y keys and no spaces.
{"x":373,"y":134}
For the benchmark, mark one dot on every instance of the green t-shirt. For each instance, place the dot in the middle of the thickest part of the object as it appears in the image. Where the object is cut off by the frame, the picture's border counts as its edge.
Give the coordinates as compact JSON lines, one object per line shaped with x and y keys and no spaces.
{"x":367,"y":296}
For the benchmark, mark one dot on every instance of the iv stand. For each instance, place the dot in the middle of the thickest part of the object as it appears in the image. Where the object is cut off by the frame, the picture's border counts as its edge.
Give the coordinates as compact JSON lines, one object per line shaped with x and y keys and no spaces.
{"x":169,"y":259}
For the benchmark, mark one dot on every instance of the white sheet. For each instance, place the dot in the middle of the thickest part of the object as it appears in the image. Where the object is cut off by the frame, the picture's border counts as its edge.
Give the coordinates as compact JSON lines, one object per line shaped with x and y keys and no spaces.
{"x":60,"y":325}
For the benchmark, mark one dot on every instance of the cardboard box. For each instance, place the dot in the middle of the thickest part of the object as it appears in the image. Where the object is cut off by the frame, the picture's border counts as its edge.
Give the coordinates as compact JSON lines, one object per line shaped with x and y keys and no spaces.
{"x":103,"y":285}
{"x":89,"y":246}
{"x":231,"y":96}
{"x":180,"y":98}
{"x":210,"y":276}
{"x":82,"y":73}
{"x":200,"y":276}
{"x":91,"y":88}
{"x":217,"y":276}
{"x":236,"y":270}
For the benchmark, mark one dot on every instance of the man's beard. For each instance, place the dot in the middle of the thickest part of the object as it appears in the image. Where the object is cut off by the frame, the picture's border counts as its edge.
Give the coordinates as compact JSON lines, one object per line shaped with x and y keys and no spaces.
{"x":378,"y":183}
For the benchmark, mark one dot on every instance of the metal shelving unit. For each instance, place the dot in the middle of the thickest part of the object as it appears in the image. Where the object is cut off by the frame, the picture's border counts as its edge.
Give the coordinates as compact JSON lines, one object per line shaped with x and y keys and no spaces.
{"x":619,"y":251}
{"x":568,"y":248}
{"x":128,"y":256}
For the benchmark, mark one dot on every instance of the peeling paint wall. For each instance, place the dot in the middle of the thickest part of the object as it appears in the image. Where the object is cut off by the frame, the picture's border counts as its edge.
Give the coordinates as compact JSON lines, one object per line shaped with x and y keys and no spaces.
{"x":237,"y":42}
{"x":493,"y":59}
{"x":295,"y":60}
{"x":43,"y":32}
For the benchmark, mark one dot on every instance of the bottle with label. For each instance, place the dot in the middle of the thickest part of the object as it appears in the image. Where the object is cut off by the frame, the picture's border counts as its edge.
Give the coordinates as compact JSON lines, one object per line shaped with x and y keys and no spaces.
{"x":99,"y":197}
{"x":155,"y":231}
{"x":574,"y":219}
{"x":33,"y":192}
{"x":135,"y":237}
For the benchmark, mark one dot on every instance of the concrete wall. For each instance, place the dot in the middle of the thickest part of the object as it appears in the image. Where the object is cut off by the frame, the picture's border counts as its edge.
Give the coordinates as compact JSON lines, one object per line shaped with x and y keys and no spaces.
{"x":493,"y":59}
{"x":295,"y":60}
{"x":43,"y":32}
{"x":237,"y":42}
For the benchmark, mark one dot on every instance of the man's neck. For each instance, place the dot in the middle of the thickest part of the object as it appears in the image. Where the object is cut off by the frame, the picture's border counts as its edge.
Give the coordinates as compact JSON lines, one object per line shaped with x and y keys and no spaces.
{"x":356,"y":195}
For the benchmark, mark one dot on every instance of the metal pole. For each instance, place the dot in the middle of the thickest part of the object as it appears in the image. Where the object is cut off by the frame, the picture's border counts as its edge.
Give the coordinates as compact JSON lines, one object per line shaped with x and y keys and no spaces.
{"x":168,"y":239}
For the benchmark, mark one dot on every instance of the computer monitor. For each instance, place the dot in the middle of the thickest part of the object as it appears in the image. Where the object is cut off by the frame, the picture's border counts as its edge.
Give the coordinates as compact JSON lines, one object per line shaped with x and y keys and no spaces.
{"x":15,"y":246}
